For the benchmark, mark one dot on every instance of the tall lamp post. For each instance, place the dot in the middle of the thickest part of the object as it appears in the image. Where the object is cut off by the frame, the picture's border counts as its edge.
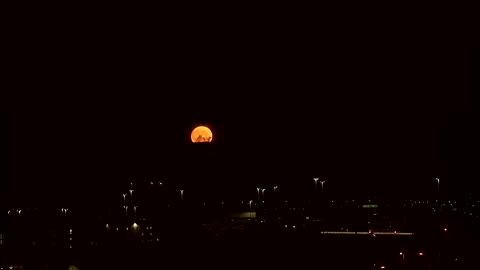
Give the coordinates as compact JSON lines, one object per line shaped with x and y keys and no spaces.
{"x":321,"y":182}
{"x":316,"y":180}
{"x":263,"y":194}
{"x":250,"y":203}
{"x":131,"y":195}
{"x":258,"y":194}
{"x":181,"y":194}
{"x":438,"y":183}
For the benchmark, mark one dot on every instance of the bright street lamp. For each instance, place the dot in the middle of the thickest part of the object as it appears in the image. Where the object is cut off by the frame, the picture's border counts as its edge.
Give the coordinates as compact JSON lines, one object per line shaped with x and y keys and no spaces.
{"x":263,"y":193}
{"x":321,"y":182}
{"x":250,"y":203}
{"x":438,"y":183}
{"x":315,"y":179}
{"x":181,"y":194}
{"x":258,"y":194}
{"x":131,"y":195}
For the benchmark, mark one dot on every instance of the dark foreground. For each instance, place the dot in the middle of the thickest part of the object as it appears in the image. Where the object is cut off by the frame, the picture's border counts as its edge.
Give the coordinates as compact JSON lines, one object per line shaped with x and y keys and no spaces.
{"x":261,"y":251}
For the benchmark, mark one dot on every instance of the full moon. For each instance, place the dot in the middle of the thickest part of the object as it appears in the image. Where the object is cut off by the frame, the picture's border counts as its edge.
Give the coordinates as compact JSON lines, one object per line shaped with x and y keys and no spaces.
{"x":201,"y":134}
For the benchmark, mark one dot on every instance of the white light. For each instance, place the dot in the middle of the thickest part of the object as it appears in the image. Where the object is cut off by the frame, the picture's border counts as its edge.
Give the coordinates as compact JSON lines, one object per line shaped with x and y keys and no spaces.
{"x":70,"y":231}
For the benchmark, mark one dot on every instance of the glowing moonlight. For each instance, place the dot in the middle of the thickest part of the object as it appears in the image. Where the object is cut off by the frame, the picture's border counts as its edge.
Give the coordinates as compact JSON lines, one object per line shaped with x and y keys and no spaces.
{"x":201,"y":134}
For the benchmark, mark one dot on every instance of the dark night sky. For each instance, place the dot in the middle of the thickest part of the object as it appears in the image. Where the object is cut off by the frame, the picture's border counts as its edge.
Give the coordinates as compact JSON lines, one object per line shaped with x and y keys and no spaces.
{"x":366,"y":116}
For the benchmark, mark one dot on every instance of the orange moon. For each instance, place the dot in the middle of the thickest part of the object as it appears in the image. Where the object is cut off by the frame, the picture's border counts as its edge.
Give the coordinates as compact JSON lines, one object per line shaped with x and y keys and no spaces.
{"x":201,"y":134}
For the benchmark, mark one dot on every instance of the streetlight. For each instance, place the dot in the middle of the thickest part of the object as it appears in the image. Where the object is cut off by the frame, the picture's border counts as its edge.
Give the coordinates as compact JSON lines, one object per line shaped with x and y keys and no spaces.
{"x":126,"y":209}
{"x":131,"y":195}
{"x":124,"y":196}
{"x":258,"y":194}
{"x":263,"y":193}
{"x":250,"y":203}
{"x":315,"y":179}
{"x":275,"y":188}
{"x":321,"y":182}
{"x":438,"y":183}
{"x":403,"y":255}
{"x":181,"y":194}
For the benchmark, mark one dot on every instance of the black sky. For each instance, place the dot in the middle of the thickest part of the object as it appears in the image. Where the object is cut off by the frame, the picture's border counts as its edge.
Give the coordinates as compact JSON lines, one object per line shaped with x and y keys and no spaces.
{"x":373,"y":114}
